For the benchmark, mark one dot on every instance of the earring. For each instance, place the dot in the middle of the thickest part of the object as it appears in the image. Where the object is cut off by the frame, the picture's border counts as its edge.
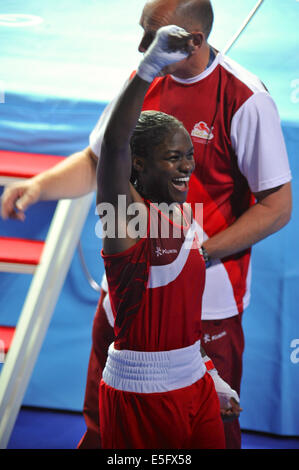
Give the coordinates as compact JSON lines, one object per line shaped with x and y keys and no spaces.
{"x":138,"y":186}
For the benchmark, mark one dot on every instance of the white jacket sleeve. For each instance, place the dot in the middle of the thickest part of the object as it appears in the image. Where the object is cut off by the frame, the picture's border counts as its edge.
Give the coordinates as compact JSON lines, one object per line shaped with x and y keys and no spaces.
{"x":96,"y":136}
{"x":259,"y":144}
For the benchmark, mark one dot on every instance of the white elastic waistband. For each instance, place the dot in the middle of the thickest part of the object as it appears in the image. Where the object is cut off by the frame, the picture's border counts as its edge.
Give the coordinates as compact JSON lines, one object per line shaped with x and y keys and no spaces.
{"x":151,"y":372}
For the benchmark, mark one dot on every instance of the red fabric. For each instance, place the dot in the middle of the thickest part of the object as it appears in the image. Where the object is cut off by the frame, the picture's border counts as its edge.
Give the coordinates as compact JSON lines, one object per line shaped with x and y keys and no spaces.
{"x":209,"y":365}
{"x":187,"y":418}
{"x":25,"y":165}
{"x":19,"y":250}
{"x":223,"y":341}
{"x":224,"y":349}
{"x":102,"y":337}
{"x":6,"y":337}
{"x":165,"y":313}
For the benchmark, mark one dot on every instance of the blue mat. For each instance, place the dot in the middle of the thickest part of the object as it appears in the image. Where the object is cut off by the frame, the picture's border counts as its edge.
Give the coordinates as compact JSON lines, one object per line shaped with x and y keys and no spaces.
{"x":49,"y":429}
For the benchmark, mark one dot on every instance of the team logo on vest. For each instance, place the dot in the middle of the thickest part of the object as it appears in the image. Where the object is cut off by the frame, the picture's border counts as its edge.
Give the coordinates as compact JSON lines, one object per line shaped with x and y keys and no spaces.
{"x":163,"y":251}
{"x":202,"y":133}
{"x":208,"y":338}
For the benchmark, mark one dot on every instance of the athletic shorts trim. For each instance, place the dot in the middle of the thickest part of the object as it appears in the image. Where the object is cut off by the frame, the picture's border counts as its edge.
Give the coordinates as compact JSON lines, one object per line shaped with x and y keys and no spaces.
{"x":153,"y":372}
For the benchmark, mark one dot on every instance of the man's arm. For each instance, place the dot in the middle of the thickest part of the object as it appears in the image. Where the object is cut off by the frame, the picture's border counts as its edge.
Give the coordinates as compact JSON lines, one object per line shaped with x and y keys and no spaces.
{"x":73,"y":177}
{"x":271,"y":212}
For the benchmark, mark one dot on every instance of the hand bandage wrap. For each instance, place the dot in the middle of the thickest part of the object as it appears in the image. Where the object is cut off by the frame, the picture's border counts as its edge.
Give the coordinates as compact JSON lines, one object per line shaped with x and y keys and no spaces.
{"x":158,"y":54}
{"x":224,"y":391}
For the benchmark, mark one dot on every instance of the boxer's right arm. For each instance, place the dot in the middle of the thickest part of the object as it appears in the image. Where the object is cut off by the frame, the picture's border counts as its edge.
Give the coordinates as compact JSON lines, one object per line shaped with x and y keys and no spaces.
{"x":73,"y":177}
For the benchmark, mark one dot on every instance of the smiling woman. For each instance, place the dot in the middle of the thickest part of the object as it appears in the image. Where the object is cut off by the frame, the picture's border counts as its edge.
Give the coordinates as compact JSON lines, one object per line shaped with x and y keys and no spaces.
{"x":154,"y":372}
{"x":171,"y":161}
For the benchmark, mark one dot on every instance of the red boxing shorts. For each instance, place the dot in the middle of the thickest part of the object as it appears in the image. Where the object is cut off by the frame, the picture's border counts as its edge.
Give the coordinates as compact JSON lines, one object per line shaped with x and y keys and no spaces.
{"x":181,"y":418}
{"x":223,"y":341}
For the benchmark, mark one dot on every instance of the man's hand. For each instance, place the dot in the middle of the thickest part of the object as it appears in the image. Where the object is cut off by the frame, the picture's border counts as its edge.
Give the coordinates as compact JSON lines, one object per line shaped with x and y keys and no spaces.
{"x":178,"y":40}
{"x":17,"y":197}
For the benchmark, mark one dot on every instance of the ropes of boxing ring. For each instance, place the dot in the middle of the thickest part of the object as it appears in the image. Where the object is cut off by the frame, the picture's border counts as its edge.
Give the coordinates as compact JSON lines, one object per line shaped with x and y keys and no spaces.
{"x":245,"y":23}
{"x":93,"y":284}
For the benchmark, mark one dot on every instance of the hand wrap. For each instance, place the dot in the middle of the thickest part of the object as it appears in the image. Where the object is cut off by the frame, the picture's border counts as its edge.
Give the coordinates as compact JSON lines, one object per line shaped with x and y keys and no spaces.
{"x":159,"y":55}
{"x":224,"y":391}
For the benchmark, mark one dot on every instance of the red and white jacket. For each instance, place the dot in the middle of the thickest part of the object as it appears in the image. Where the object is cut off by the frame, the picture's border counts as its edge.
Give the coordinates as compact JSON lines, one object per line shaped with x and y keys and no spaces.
{"x":239,"y":150}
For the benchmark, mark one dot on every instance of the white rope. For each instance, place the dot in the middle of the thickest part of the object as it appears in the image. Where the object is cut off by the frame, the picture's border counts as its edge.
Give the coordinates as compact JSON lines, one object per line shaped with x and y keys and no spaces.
{"x":241,"y":29}
{"x":93,"y":284}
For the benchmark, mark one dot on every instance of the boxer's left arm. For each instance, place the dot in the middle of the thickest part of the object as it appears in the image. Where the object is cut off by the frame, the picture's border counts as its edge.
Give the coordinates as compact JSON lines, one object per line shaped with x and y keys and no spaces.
{"x":229,"y":400}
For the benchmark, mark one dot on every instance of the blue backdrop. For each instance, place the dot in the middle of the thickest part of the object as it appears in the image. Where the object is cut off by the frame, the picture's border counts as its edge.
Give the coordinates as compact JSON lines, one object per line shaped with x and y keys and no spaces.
{"x":59,"y":67}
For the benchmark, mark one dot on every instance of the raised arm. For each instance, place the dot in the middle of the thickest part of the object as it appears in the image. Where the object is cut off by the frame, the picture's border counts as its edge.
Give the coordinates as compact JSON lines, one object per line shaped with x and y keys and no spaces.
{"x":171,"y":44}
{"x":114,"y":168}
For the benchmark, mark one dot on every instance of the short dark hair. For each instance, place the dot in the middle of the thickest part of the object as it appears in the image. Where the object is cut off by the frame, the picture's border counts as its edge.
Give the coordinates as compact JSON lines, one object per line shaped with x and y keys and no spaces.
{"x":151,"y":129}
{"x":196,"y":13}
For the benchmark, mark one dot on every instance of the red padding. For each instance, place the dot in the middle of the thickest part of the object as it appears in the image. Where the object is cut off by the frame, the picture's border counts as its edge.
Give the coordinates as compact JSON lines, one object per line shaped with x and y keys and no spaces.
{"x":25,"y":165}
{"x":19,"y":250}
{"x":209,"y":364}
{"x":6,"y":337}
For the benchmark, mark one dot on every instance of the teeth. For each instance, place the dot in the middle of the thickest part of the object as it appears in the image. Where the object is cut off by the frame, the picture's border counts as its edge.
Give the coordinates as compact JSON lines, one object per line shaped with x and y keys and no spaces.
{"x":181,"y":179}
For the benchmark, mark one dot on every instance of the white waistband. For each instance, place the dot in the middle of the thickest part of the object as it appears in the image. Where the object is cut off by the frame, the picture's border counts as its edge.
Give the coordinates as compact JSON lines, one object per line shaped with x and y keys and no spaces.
{"x":151,"y":372}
